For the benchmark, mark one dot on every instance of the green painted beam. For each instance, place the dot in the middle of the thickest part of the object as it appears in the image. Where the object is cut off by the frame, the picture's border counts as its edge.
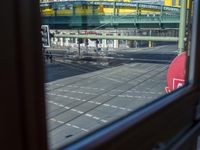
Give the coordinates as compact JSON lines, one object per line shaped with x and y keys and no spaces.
{"x":124,"y":21}
{"x":182,"y":25}
{"x":136,"y":38}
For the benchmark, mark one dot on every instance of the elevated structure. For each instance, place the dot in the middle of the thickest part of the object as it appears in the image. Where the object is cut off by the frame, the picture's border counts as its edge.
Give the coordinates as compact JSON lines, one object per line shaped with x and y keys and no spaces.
{"x":101,"y":22}
{"x":92,"y":14}
{"x":103,"y":14}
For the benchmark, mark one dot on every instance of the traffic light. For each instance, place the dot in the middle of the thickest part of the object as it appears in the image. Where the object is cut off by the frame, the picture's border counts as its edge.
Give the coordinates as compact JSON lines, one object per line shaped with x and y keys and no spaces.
{"x":45,"y":36}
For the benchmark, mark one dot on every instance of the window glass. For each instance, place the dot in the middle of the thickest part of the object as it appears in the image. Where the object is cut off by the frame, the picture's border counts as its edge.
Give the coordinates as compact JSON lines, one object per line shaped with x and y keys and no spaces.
{"x":104,"y":60}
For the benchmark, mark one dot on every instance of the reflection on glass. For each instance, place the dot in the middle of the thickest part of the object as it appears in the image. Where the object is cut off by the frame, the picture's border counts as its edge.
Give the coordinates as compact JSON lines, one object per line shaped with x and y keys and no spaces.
{"x":104,"y":59}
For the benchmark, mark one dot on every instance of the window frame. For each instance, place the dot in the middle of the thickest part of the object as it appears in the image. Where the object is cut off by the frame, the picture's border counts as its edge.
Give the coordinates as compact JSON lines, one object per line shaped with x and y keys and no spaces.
{"x":25,"y":78}
{"x":119,"y":130}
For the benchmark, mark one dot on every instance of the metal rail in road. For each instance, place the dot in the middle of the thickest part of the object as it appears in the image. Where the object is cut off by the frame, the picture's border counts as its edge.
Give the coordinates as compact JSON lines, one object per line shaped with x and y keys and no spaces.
{"x":136,"y":38}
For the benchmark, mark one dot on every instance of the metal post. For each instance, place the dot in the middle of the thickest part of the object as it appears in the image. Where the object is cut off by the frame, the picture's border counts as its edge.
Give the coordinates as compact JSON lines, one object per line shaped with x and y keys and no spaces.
{"x":189,"y":31}
{"x":96,"y":43}
{"x":182,"y":26}
{"x":137,"y":9}
{"x":150,"y":42}
{"x":55,"y":7}
{"x":93,"y":11}
{"x":73,"y":9}
{"x":114,"y":8}
{"x":79,"y":46}
{"x":161,"y":16}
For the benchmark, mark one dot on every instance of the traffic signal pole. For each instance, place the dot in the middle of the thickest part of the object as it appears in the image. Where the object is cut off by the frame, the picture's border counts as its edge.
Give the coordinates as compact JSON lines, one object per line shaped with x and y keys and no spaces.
{"x":182,"y":26}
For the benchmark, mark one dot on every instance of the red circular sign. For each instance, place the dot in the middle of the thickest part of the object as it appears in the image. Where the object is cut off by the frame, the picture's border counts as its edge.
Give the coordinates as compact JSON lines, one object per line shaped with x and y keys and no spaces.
{"x":176,"y":72}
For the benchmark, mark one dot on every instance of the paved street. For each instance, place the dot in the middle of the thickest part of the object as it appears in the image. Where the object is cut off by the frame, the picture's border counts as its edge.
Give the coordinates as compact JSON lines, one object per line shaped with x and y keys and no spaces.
{"x":83,"y":97}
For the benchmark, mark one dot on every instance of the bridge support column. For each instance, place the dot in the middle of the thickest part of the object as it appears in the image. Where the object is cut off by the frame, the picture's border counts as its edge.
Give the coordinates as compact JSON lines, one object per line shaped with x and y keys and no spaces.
{"x":116,"y":42}
{"x":136,"y":44}
{"x":61,"y":41}
{"x":56,"y":41}
{"x":66,"y":43}
{"x":76,"y":39}
{"x":104,"y":42}
{"x":150,"y":42}
{"x":52,"y":41}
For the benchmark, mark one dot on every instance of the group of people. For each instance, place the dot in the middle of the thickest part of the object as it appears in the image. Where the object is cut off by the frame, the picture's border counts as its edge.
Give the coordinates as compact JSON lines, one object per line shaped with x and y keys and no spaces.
{"x":48,"y":56}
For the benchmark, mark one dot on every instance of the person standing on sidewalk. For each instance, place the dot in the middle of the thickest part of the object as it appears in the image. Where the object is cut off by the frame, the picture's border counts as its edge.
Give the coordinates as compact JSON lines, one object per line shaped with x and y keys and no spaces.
{"x":47,"y":56}
{"x":50,"y":57}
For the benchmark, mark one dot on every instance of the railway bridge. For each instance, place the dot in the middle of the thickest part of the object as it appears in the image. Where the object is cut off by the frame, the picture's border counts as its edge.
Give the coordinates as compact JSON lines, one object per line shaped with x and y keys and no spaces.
{"x":92,"y":14}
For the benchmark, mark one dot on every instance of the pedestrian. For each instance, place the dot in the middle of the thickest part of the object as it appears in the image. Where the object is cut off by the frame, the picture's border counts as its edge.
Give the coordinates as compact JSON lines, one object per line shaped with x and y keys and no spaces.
{"x":50,"y":57}
{"x":47,"y":55}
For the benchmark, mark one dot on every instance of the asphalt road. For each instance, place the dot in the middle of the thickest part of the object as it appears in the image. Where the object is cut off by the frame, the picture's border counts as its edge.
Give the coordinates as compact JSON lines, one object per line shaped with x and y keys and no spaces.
{"x":84,"y":97}
{"x":65,"y":68}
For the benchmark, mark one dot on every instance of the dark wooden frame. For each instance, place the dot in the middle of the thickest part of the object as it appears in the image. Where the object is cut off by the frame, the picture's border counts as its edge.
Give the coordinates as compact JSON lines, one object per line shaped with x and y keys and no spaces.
{"x":22,"y":107}
{"x":168,"y":123}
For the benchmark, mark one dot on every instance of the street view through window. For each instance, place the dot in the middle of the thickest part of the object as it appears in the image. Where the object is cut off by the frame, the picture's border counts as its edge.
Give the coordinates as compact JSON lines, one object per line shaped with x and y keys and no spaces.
{"x":105,"y":59}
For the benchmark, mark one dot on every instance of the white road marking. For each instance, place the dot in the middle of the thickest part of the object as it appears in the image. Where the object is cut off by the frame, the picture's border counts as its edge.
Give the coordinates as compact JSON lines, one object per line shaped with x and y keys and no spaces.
{"x":145,"y":92}
{"x":129,"y":96}
{"x":52,"y":119}
{"x":80,"y":112}
{"x":83,"y":87}
{"x":60,"y":121}
{"x":93,"y":102}
{"x":105,"y":121}
{"x":79,"y":92}
{"x":96,"y":118}
{"x":87,"y":93}
{"x":114,"y":106}
{"x":109,"y":95}
{"x":75,"y":126}
{"x":84,"y":130}
{"x":117,"y":90}
{"x":121,"y":95}
{"x":88,"y":115}
{"x":117,"y":107}
{"x":68,"y":124}
{"x":111,"y":79}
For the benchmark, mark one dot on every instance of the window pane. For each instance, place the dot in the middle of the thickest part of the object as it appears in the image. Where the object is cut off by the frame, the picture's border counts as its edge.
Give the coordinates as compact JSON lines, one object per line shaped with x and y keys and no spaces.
{"x":106,"y":59}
